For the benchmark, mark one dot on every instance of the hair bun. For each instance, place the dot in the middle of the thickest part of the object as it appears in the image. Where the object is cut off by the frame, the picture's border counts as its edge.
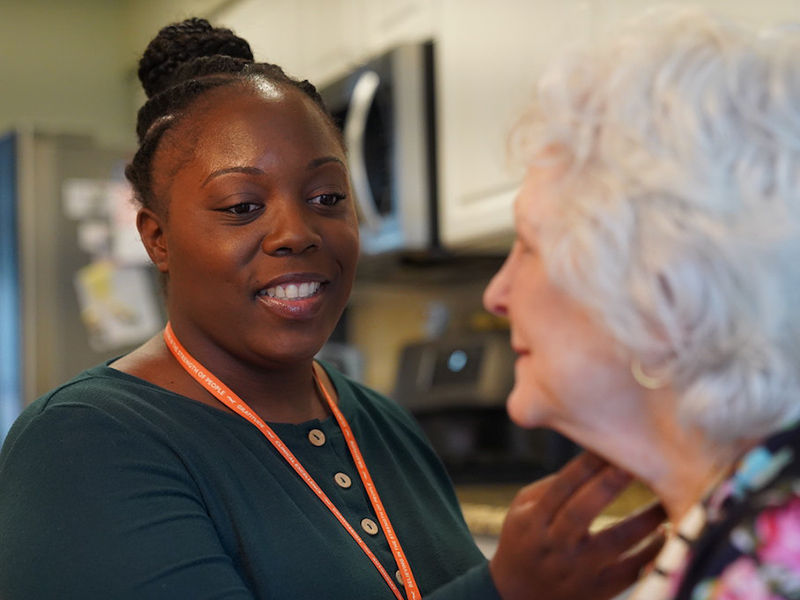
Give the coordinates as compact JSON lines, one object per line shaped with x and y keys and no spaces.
{"x":179,"y":44}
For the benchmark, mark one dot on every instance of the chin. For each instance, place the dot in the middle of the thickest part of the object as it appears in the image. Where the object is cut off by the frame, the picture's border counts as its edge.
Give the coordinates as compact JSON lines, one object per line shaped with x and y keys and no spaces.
{"x":522,"y":408}
{"x":288,"y":350}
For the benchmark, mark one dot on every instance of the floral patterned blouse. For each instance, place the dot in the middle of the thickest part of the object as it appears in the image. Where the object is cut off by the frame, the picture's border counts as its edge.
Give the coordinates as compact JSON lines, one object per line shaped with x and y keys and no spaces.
{"x":742,"y":542}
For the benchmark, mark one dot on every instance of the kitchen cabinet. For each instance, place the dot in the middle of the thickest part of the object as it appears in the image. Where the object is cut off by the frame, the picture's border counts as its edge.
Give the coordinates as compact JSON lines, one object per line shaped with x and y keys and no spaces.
{"x":346,"y":33}
{"x":310,"y":39}
{"x":389,"y":23}
{"x":273,"y":29}
{"x":332,"y":35}
{"x":320,"y":40}
{"x":489,"y":57}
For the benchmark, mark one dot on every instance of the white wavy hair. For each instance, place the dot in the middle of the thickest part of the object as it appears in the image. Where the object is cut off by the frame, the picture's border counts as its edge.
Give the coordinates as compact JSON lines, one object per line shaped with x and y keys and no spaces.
{"x":678,"y":215}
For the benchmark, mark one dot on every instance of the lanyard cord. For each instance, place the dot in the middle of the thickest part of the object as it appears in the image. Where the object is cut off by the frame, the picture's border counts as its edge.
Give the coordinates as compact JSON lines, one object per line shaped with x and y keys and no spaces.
{"x":225,"y":395}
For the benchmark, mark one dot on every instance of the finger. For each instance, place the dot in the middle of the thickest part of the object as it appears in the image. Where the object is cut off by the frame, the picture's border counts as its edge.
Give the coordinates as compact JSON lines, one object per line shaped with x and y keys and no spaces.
{"x":562,"y":485}
{"x":622,"y":536}
{"x":572,"y":522}
{"x":533,"y":492}
{"x":624,"y":573}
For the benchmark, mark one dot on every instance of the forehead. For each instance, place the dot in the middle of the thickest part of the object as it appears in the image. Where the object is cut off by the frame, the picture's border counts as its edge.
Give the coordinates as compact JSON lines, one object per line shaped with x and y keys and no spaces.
{"x":535,"y":202}
{"x":243,"y":120}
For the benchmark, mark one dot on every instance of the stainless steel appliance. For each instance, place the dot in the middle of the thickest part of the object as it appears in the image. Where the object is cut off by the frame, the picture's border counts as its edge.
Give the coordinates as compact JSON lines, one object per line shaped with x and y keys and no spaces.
{"x":386,"y":111}
{"x":44,"y":338}
{"x":456,"y":387}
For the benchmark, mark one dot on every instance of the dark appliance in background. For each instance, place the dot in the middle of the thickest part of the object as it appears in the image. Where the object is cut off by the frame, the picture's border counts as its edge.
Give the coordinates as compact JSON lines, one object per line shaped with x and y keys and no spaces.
{"x":386,"y":111}
{"x":456,"y":387}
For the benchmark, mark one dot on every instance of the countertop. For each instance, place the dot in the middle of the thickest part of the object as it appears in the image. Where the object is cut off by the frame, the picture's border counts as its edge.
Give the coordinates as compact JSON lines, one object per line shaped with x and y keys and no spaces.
{"x":485,"y":506}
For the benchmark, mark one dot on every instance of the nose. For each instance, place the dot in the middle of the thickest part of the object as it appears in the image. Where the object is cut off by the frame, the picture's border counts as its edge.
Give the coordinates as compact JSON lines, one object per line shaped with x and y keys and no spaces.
{"x":495,"y":296}
{"x":291,"y":229}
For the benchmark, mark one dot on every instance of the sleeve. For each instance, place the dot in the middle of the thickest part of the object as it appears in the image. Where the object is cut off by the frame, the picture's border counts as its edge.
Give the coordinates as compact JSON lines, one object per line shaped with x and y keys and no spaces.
{"x":90,"y":509}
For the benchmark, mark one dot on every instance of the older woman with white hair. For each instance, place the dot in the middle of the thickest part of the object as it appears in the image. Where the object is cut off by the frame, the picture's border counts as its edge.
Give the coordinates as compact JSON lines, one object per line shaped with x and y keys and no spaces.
{"x":653,"y":287}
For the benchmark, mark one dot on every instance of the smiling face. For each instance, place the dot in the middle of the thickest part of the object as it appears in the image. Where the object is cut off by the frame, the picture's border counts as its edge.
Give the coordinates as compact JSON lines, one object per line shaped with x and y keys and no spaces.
{"x":568,"y":373}
{"x":259,"y":236}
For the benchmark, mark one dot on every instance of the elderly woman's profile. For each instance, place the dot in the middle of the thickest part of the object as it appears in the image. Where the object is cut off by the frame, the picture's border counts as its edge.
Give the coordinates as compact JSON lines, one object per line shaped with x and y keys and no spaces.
{"x":653,"y":287}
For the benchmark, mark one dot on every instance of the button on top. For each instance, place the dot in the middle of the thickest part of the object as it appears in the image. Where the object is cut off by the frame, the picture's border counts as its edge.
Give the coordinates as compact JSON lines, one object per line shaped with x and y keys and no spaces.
{"x":316,"y":437}
{"x":343,"y":480}
{"x":370,"y":526}
{"x":399,"y":576}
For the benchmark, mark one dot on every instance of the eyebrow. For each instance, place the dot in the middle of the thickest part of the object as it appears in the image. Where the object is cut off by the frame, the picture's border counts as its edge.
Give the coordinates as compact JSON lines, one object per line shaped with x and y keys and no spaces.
{"x":313,"y":164}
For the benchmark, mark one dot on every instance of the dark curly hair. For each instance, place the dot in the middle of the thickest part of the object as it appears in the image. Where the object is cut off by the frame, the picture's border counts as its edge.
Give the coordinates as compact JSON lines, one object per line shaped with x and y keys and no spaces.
{"x":183,"y":62}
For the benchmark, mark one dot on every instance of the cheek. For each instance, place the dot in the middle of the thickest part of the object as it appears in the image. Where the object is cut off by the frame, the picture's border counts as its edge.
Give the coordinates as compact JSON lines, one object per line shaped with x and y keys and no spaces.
{"x":222,"y":255}
{"x":531,"y":313}
{"x":344,"y":241}
{"x":557,"y":384}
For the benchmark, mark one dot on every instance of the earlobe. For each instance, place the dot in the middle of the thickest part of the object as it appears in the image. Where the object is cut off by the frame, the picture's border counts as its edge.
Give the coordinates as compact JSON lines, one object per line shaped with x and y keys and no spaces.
{"x":153,"y":237}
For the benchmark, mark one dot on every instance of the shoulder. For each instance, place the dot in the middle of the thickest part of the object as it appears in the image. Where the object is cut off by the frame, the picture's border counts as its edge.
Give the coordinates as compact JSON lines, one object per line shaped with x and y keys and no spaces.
{"x":750,"y":544}
{"x":756,"y":557}
{"x":100,"y":410}
{"x":91,"y":398}
{"x":101,"y":388}
{"x":82,"y":391}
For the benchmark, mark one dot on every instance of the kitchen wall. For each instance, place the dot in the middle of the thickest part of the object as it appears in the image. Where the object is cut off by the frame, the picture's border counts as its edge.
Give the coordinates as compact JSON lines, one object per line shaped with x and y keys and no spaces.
{"x":69,"y":66}
{"x":61,"y":67}
{"x":413,"y":303}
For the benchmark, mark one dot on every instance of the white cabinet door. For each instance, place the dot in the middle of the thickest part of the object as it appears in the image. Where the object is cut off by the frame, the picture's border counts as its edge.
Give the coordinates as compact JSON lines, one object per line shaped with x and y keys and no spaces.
{"x":337,"y":36}
{"x":489,"y":57}
{"x":389,"y":23}
{"x":332,"y":37}
{"x":271,"y":29}
{"x":316,"y":40}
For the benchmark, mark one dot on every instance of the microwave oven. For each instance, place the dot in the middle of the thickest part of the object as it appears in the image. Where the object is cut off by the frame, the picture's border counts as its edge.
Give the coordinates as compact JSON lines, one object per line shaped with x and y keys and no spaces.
{"x":386,"y":111}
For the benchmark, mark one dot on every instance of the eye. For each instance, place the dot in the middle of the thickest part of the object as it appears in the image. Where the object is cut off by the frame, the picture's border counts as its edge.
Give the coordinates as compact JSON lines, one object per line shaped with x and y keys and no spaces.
{"x":327,"y":199}
{"x":242,"y":208}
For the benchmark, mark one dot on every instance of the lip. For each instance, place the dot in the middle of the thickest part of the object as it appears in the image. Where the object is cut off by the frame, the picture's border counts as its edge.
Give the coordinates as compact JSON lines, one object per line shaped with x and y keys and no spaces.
{"x":298,"y":309}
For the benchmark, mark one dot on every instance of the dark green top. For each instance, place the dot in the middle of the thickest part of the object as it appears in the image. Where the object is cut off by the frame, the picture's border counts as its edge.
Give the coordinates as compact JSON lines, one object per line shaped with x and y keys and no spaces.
{"x":111,"y":487}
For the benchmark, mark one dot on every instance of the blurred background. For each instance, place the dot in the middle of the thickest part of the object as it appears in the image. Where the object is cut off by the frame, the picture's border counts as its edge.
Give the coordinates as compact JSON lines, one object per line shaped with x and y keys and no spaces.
{"x":426,"y":92}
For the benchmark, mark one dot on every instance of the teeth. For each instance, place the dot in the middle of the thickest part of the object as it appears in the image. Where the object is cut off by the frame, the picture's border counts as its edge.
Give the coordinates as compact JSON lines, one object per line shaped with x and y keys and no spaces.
{"x":293,"y":291}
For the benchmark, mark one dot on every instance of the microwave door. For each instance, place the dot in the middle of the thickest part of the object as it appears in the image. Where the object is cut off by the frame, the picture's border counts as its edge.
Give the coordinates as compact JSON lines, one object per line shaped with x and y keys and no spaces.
{"x":355,"y":126}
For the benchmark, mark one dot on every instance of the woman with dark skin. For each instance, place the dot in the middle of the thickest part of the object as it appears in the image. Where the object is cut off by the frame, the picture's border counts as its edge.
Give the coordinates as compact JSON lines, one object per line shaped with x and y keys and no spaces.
{"x":136,"y":481}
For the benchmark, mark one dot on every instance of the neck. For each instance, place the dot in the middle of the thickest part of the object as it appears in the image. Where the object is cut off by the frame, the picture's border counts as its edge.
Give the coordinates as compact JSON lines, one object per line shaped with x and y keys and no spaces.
{"x":678,"y":464}
{"x":280,"y":393}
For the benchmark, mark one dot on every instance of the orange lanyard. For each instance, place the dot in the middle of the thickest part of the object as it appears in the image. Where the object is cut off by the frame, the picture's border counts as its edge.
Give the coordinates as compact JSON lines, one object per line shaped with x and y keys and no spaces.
{"x":225,"y":395}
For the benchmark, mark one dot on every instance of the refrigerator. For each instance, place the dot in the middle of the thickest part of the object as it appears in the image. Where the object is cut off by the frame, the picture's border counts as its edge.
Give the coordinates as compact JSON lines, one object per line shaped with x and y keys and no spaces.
{"x":75,"y":286}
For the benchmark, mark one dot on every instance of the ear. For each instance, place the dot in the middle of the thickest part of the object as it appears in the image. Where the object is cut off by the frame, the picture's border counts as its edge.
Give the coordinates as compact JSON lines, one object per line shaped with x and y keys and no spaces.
{"x":153,"y":236}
